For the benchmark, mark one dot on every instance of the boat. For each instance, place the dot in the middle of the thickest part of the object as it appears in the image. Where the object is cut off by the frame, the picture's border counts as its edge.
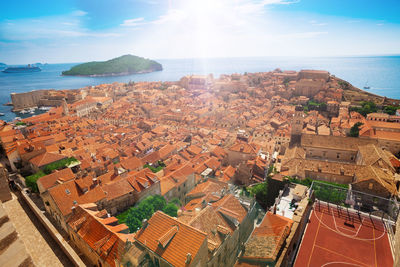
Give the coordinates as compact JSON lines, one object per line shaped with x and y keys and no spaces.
{"x":23,"y":111}
{"x":32,"y":112}
{"x":366,"y":86}
{"x":2,"y":114}
{"x":28,"y":68}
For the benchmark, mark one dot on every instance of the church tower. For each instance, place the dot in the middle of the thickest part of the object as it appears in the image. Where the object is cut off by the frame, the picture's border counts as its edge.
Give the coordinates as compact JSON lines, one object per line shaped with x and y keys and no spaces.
{"x":65,"y":107}
{"x":297,"y":126}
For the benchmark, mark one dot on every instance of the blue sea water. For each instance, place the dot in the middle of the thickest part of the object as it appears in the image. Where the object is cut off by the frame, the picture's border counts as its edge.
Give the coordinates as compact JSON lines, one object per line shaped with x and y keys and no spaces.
{"x":381,"y":73}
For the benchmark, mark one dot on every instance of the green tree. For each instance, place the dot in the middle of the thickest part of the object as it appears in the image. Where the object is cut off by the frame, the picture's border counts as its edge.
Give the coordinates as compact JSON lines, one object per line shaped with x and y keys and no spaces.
{"x":31,"y":180}
{"x":286,"y":81}
{"x":171,"y":209}
{"x":176,"y":201}
{"x":134,"y":220}
{"x":158,"y":202}
{"x":391,"y":110}
{"x":145,"y":209}
{"x":355,"y":130}
{"x":366,"y":108}
{"x":260,"y":191}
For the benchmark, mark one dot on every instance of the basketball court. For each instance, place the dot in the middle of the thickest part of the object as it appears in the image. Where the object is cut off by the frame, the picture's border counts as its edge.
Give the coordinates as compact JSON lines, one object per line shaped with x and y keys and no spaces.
{"x":336,"y":236}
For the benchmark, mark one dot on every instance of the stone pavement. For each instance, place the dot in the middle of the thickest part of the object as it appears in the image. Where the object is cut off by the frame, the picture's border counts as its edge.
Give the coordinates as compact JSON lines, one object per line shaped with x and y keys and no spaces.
{"x":43,"y":249}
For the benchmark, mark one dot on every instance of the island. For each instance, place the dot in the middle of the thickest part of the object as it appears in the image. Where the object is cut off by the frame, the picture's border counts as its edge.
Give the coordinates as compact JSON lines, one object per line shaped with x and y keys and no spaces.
{"x":124,"y":65}
{"x":3,"y":65}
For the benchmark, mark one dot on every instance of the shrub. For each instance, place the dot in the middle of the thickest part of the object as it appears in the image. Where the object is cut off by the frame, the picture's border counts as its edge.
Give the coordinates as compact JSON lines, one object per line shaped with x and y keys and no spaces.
{"x":160,"y":164}
{"x":134,"y":216}
{"x":355,"y":130}
{"x":59,"y":164}
{"x":171,"y":209}
{"x":176,"y":201}
{"x":31,"y":180}
{"x":260,"y":191}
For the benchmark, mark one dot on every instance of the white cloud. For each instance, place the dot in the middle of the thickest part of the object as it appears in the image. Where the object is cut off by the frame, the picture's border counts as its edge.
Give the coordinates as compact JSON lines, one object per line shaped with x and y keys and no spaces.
{"x":79,"y":13}
{"x":257,"y":7}
{"x":173,"y":15}
{"x":133,"y":22}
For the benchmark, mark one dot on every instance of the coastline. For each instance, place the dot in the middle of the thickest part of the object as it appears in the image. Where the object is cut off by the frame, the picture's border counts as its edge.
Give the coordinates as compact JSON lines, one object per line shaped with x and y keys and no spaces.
{"x":112,"y":74}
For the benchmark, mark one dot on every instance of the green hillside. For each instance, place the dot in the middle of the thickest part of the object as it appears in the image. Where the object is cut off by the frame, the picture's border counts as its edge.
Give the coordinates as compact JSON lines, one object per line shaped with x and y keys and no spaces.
{"x":123,"y":65}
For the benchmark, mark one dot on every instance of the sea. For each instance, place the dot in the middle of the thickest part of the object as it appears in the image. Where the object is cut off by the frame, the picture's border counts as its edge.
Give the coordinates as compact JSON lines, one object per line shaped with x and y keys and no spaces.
{"x":380,"y":73}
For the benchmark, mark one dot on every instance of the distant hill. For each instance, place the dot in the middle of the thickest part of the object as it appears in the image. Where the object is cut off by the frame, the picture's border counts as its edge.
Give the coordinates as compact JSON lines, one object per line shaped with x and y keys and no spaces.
{"x":3,"y":65}
{"x":124,"y":65}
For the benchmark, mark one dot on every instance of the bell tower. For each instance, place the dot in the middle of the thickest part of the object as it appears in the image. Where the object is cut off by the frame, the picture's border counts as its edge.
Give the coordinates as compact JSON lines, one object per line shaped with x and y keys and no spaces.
{"x":297,"y":126}
{"x":65,"y":107}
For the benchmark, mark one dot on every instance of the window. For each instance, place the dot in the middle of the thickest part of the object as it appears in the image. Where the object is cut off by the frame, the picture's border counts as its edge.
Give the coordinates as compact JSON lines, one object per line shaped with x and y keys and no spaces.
{"x":370,"y":186}
{"x":338,"y":156}
{"x":67,"y":191}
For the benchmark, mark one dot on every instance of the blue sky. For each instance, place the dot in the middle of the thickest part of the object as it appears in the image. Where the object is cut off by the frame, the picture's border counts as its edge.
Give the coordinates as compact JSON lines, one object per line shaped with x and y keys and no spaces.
{"x":77,"y":31}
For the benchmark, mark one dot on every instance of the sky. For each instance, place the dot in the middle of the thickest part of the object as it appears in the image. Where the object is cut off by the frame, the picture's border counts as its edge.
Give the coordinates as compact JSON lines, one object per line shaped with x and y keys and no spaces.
{"x":64,"y":31}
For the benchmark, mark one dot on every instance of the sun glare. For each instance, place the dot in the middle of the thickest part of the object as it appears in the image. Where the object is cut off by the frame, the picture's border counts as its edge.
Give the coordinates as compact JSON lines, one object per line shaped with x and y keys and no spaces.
{"x":205,"y":17}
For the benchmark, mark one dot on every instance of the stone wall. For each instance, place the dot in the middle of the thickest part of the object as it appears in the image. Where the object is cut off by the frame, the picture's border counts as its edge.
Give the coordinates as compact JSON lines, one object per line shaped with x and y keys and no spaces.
{"x":331,"y":154}
{"x":67,"y":249}
{"x":31,"y":99}
{"x":397,"y":242}
{"x":5,"y":194}
{"x":50,"y":103}
{"x":309,"y":88}
{"x":313,"y":74}
{"x":329,"y":177}
{"x":293,"y":241}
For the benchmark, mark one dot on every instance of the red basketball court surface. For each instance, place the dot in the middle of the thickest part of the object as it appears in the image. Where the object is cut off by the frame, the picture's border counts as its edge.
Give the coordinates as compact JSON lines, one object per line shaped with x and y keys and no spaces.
{"x":337,"y":238}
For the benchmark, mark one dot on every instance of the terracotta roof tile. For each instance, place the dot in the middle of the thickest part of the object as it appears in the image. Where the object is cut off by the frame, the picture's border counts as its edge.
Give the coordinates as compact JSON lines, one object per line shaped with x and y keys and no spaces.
{"x":50,"y":180}
{"x":183,"y":239}
{"x":46,"y":158}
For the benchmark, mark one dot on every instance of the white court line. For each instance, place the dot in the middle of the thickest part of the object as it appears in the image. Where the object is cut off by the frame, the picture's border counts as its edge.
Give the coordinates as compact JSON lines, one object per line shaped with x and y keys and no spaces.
{"x":349,"y":236}
{"x":334,"y":221}
{"x":341,"y":263}
{"x":349,"y":230}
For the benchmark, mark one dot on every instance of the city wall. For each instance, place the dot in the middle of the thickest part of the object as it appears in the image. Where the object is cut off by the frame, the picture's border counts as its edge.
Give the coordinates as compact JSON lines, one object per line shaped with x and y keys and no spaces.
{"x":67,"y":249}
{"x":31,"y":99}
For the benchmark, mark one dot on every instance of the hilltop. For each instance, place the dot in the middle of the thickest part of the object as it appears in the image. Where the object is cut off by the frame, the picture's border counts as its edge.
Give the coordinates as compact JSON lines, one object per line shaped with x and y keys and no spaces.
{"x":124,"y":65}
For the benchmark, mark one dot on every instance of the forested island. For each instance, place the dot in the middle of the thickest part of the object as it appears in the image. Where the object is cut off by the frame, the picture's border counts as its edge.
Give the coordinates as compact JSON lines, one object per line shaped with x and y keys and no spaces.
{"x":124,"y":65}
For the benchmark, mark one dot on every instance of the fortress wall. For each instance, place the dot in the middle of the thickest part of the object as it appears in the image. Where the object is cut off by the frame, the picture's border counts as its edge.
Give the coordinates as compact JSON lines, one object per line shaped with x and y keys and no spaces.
{"x":27,"y":100}
{"x":49,"y":103}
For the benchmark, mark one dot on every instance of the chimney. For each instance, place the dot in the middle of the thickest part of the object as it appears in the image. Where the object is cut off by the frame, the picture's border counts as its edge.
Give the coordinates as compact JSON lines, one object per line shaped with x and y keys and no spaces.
{"x":188,"y":258}
{"x":73,"y":209}
{"x":145,"y":223}
{"x":203,"y":203}
{"x":95,"y":182}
